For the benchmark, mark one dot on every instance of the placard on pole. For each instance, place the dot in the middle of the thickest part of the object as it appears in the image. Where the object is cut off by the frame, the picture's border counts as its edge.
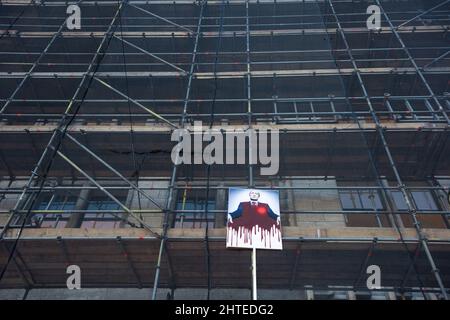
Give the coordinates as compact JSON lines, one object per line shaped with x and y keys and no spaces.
{"x":254,"y":223}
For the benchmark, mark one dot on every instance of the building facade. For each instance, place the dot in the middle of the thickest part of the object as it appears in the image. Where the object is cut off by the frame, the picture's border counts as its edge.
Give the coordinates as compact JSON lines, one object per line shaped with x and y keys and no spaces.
{"x":92,"y":91}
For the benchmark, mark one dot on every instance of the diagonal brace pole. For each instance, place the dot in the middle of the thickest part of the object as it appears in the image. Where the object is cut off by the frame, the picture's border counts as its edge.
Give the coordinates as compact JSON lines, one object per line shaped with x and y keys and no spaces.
{"x":161,"y":18}
{"x":132,"y":185}
{"x":442,"y":56}
{"x":414,"y":64}
{"x":101,"y":188}
{"x":422,"y":14}
{"x":140,"y":105}
{"x":63,"y":125}
{"x":152,"y":55}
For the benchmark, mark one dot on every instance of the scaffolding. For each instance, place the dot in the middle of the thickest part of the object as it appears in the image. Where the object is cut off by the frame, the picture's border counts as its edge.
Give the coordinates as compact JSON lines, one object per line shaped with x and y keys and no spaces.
{"x":91,"y":111}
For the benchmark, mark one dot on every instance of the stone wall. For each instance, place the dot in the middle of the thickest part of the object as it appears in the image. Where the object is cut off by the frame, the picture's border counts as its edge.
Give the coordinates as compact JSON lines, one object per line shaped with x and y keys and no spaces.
{"x":159,"y":195}
{"x":301,"y":200}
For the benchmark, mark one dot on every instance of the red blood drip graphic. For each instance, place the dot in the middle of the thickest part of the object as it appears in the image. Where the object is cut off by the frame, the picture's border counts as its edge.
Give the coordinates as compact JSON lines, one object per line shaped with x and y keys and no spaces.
{"x":254,"y":224}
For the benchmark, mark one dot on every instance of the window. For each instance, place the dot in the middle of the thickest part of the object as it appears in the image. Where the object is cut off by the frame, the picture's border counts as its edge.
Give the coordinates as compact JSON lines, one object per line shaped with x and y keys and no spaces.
{"x":360,"y":200}
{"x":103,"y":220}
{"x":54,"y":219}
{"x":399,"y":201}
{"x":368,"y":200}
{"x":196,"y":218}
{"x":64,"y":205}
{"x":423,"y":201}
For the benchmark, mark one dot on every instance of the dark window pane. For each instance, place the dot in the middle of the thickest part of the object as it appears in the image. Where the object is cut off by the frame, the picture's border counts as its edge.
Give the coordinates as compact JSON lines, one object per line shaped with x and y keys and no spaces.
{"x":360,"y":200}
{"x":399,"y":200}
{"x":350,"y":200}
{"x":371,"y":200}
{"x":424,"y":201}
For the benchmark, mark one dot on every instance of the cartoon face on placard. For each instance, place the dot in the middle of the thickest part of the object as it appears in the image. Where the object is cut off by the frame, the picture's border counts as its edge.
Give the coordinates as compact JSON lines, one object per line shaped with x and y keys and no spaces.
{"x":254,"y":219}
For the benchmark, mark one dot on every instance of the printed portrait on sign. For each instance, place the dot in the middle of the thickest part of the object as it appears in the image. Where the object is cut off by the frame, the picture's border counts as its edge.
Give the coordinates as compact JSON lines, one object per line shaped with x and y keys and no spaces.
{"x":253,"y":219}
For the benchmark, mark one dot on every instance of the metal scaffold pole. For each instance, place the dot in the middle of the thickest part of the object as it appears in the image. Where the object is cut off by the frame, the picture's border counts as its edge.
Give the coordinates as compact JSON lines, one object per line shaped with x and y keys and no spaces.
{"x":58,"y":134}
{"x":401,"y":186}
{"x":170,"y":197}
